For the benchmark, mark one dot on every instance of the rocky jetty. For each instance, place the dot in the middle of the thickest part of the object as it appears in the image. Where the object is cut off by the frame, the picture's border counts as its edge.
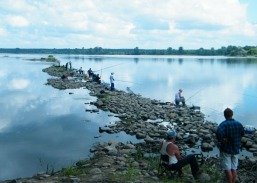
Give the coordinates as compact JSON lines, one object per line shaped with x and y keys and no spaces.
{"x":147,"y":119}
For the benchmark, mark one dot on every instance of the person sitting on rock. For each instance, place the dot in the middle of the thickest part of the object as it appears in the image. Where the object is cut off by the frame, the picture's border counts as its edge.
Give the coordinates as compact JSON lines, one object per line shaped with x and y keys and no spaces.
{"x":175,"y":161}
{"x":179,"y":98}
{"x":80,"y":70}
{"x":98,"y":79}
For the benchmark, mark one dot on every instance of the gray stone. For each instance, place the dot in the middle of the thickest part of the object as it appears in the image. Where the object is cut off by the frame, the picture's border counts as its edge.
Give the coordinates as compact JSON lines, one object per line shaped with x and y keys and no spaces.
{"x":75,"y":179}
{"x":204,"y":177}
{"x":249,"y":144}
{"x":111,"y":150}
{"x":140,"y":135}
{"x":129,"y":146}
{"x":95,"y":171}
{"x":148,"y":139}
{"x":207,"y":146}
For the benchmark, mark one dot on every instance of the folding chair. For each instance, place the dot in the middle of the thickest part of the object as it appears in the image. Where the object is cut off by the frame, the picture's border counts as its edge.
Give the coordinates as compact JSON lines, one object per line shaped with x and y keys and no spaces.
{"x":164,"y":167}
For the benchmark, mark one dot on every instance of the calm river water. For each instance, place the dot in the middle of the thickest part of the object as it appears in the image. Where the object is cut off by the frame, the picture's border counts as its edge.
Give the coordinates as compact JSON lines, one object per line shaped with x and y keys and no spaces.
{"x":41,"y":126}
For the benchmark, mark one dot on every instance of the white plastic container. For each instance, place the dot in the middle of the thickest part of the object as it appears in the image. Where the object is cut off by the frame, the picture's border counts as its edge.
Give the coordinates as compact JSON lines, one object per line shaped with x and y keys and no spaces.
{"x":249,"y":129}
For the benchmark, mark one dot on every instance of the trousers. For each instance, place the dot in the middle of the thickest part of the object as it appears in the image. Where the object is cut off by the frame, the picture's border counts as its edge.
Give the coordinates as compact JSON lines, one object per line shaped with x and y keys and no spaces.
{"x":189,"y":159}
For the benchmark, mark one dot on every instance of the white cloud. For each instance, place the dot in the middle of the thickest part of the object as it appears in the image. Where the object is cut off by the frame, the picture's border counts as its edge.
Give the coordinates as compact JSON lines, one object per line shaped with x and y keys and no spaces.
{"x":116,"y":24}
{"x":2,"y":73}
{"x":18,"y":6}
{"x":2,"y":32}
{"x":19,"y":84}
{"x":17,"y":21}
{"x":3,"y":123}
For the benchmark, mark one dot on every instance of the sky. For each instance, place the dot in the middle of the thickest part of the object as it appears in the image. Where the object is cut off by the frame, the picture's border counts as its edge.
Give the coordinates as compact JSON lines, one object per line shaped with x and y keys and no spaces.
{"x":146,"y":24}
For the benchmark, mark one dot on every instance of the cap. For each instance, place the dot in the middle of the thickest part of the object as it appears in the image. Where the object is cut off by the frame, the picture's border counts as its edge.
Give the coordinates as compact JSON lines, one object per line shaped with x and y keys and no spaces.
{"x":171,"y":133}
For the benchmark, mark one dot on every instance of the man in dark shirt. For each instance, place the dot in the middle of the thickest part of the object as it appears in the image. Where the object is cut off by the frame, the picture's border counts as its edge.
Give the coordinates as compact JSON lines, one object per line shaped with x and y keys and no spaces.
{"x":229,"y":134}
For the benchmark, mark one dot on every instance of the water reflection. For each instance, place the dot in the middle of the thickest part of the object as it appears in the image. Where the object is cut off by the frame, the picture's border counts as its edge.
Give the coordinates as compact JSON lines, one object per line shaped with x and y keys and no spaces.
{"x":220,"y":86}
{"x":41,"y":124}
{"x":136,"y":60}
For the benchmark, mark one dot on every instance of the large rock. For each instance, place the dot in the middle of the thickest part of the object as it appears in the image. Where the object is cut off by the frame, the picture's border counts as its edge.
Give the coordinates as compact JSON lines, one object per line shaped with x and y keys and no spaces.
{"x":95,"y":171}
{"x":206,"y":147}
{"x":140,"y":135}
{"x":111,"y":150}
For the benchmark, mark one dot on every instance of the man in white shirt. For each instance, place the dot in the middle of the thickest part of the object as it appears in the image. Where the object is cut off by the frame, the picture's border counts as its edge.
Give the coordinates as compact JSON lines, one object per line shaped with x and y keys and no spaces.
{"x":112,"y":81}
{"x":179,"y":98}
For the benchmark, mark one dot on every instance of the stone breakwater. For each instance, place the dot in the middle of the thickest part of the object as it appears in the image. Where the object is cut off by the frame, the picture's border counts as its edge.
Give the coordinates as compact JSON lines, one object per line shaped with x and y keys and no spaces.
{"x":143,"y":116}
{"x":146,"y":119}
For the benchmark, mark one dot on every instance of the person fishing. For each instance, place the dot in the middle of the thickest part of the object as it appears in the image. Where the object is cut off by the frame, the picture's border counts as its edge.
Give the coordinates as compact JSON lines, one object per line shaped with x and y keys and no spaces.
{"x":66,"y":66}
{"x":179,"y":98}
{"x":175,"y":160}
{"x":70,"y":65}
{"x":81,"y":70}
{"x":112,"y":81}
{"x":90,"y":72}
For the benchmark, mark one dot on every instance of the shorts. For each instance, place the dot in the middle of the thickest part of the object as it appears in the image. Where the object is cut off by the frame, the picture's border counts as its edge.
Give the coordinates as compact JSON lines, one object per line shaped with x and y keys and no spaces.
{"x":228,"y":161}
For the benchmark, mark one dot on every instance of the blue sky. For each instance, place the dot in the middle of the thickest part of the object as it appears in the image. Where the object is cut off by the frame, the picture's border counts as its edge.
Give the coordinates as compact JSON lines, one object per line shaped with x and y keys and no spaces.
{"x":127,"y":23}
{"x":251,"y":10}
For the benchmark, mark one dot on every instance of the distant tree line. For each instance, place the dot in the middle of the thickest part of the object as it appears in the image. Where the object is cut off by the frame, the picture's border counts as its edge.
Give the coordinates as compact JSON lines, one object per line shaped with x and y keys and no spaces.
{"x":223,"y":51}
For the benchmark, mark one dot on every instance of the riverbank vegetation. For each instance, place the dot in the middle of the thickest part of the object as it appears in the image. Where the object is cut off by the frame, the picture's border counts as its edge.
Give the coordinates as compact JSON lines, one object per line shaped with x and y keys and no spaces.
{"x":223,"y":51}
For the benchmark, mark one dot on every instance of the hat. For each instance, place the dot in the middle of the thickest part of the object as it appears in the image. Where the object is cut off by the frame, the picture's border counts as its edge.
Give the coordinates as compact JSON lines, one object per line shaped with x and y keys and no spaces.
{"x":180,"y":90}
{"x":171,"y":133}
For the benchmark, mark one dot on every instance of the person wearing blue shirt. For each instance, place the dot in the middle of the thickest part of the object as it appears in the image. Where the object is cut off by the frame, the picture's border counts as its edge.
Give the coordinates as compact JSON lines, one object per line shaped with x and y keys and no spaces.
{"x":229,"y":134}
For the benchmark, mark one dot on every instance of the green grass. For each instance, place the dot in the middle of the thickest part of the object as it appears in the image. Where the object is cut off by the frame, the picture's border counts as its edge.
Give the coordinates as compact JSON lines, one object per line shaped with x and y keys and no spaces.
{"x":49,"y":169}
{"x":72,"y":170}
{"x":106,"y":98}
{"x":132,"y":174}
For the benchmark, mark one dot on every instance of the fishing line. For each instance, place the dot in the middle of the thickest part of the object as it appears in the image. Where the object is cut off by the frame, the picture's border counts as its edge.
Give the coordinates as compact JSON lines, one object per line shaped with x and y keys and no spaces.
{"x":108,"y":67}
{"x":214,"y":110}
{"x":195,"y":94}
{"x":128,"y":81}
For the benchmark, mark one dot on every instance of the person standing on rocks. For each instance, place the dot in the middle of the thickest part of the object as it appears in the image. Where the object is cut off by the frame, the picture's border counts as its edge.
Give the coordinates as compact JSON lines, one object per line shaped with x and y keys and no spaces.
{"x":176,"y":162}
{"x":90,"y":72}
{"x":70,"y":65}
{"x":112,"y":81}
{"x":229,"y":134}
{"x":179,"y":98}
{"x":66,"y":66}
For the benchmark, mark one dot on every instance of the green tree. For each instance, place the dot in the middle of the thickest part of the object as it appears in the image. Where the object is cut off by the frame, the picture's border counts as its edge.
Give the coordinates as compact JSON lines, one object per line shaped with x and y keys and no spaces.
{"x":180,"y":50}
{"x":252,"y":51}
{"x":136,"y":51}
{"x":169,"y":51}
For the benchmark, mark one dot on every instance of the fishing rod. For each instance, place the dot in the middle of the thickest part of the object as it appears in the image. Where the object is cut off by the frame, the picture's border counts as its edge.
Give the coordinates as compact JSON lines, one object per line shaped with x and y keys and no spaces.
{"x":194,"y":94}
{"x":214,"y":110}
{"x":108,"y":67}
